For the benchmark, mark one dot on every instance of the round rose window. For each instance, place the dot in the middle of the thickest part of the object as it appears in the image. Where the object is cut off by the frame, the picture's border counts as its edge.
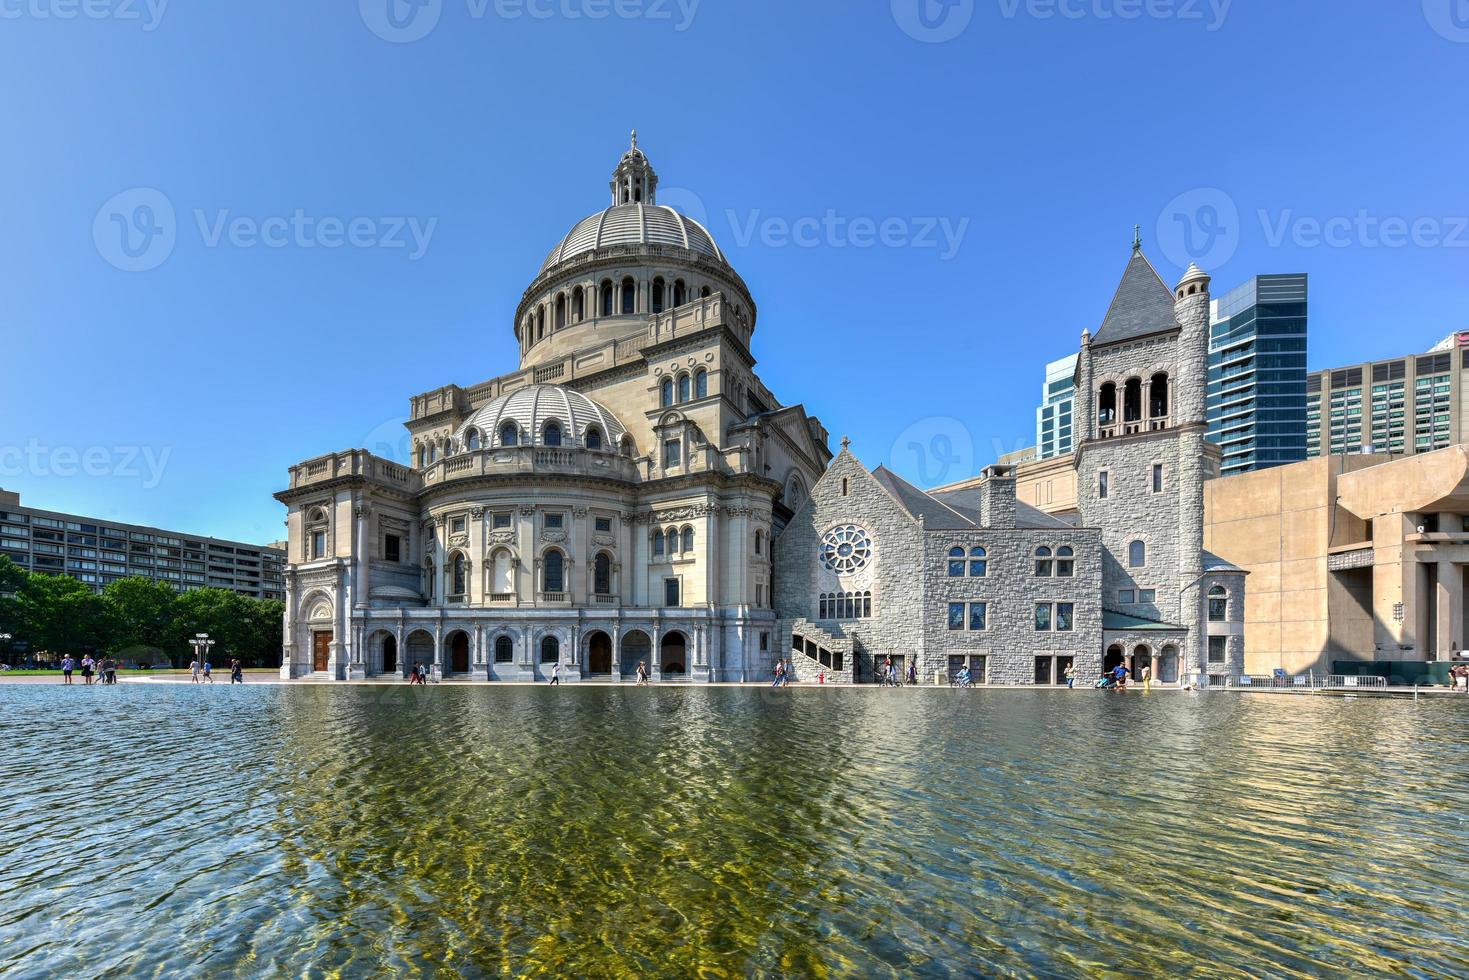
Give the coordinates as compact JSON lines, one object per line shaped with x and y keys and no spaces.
{"x":846,"y":549}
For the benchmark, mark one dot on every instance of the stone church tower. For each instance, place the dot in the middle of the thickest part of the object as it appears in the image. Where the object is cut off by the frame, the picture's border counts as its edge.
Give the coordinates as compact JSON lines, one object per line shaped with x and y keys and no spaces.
{"x":1141,"y":465}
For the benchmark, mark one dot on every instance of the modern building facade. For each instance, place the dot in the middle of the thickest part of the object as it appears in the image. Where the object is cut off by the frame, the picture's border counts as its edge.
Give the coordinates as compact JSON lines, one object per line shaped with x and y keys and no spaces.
{"x":609,"y":503}
{"x":1352,"y":559}
{"x":1257,"y":373}
{"x":1054,"y":429}
{"x":1397,"y":407}
{"x":871,"y":568}
{"x":96,"y":552}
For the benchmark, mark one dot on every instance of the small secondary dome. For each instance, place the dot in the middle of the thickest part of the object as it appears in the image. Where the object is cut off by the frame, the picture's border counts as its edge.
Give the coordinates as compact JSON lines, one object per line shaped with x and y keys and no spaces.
{"x":532,"y":411}
{"x":635,"y":217}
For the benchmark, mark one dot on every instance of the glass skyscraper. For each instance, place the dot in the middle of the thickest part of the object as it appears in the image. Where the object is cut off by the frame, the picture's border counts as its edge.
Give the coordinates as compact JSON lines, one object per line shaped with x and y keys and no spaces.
{"x":1257,"y":374}
{"x":1053,"y":429}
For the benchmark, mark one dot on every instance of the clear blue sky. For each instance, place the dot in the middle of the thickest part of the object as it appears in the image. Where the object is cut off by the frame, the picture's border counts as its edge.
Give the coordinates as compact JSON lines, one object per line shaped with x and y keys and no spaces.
{"x":179,"y":395}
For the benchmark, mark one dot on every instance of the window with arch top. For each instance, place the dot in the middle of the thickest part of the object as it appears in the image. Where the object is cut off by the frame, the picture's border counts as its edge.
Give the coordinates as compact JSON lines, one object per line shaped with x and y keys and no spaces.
{"x":701,"y":383}
{"x":680,"y":293}
{"x":683,"y":388}
{"x":978,"y":563}
{"x":1044,"y":562}
{"x":471,"y":439}
{"x":1065,"y":562}
{"x":504,"y":650}
{"x":666,"y":396}
{"x":1218,"y":604}
{"x":552,"y":435}
{"x":629,"y":296}
{"x":658,"y":542}
{"x":607,"y":297}
{"x":688,"y":539}
{"x":658,"y":291}
{"x":1137,"y":554}
{"x":550,"y":650}
{"x":602,"y":574}
{"x":553,"y":572}
{"x":593,"y":437}
{"x":509,"y":435}
{"x":459,"y":575}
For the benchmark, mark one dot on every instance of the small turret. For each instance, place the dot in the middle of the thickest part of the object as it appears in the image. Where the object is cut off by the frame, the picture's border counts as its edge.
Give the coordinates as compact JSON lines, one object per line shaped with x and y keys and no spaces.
{"x":634,"y":182}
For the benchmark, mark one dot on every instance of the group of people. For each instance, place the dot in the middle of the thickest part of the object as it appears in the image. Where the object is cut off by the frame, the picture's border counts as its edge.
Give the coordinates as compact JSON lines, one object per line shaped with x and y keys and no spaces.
{"x":202,"y":671}
{"x":1116,"y":679}
{"x":1459,"y":678}
{"x":421,"y":673}
{"x":891,"y":676}
{"x":782,"y":673}
{"x":103,"y":671}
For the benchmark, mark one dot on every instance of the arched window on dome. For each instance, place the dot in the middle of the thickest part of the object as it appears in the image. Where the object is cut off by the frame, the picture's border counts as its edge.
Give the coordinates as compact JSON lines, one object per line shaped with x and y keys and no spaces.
{"x":658,"y":295}
{"x":560,"y":319}
{"x":629,"y":296}
{"x":540,"y":322}
{"x":667,"y":392}
{"x":626,"y":447}
{"x":701,"y":383}
{"x":704,"y":293}
{"x":552,"y":434}
{"x":683,"y":387}
{"x":658,"y":543}
{"x":594,"y":438}
{"x":680,"y":293}
{"x":471,"y":439}
{"x":509,"y":435}
{"x":578,"y":305}
{"x":606,"y":297}
{"x":688,"y":540}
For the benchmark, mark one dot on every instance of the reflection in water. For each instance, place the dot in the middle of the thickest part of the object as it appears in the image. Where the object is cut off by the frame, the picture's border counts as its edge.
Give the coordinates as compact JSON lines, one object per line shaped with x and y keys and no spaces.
{"x":620,"y":831}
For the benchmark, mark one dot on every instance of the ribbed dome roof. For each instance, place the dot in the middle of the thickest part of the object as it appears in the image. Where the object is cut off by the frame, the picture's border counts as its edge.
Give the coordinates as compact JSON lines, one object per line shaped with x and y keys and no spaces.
{"x":634,"y":224}
{"x":532,"y":407}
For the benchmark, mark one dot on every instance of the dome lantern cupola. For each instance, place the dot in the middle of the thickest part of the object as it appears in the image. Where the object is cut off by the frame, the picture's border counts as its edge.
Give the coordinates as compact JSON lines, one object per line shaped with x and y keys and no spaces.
{"x":634,"y":182}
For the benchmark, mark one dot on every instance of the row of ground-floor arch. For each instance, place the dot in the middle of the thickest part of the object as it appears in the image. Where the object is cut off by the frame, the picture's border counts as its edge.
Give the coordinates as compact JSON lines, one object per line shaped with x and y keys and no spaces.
{"x":516,"y":654}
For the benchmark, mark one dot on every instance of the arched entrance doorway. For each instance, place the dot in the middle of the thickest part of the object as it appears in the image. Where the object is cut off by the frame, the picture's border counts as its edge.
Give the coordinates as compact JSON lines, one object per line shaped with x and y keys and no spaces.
{"x":673,"y":654}
{"x":390,"y":653}
{"x":636,"y":649}
{"x":1142,"y":658}
{"x":1114,"y":657}
{"x":458,"y":652}
{"x":599,"y":654}
{"x":420,"y":648}
{"x":1168,"y":665}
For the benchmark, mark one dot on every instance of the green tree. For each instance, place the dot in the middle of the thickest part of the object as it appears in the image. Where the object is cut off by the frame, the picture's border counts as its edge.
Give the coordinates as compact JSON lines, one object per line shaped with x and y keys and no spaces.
{"x":61,"y":615}
{"x":223,"y":614}
{"x":12,"y":580}
{"x":143,"y":614}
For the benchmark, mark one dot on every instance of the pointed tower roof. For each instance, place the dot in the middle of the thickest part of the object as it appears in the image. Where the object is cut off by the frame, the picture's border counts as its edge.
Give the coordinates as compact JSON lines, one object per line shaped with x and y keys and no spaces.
{"x":1142,"y":306}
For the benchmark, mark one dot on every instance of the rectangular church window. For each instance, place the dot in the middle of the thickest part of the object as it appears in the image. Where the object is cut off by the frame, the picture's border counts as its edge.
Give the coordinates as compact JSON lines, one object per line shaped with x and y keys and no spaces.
{"x":392,"y":548}
{"x":1042,"y":617}
{"x":956,"y":615}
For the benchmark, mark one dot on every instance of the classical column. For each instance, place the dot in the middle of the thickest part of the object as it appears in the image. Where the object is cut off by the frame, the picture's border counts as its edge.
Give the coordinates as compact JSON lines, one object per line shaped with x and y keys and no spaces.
{"x":362,"y":556}
{"x":1450,"y":605}
{"x":477,"y":558}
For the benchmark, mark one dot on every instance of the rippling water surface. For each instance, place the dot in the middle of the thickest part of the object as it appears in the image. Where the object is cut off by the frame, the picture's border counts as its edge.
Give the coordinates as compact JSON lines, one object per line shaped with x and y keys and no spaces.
{"x":314,"y":831}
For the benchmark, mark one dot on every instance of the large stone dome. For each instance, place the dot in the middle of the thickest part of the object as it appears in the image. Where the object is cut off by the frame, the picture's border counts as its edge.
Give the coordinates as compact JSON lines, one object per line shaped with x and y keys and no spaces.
{"x":634,"y":224}
{"x":532,"y":410}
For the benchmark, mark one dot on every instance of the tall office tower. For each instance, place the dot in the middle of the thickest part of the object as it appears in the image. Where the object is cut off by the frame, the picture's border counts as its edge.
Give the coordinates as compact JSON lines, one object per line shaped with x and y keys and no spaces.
{"x":1053,"y":430}
{"x":1257,"y":373}
{"x":1400,"y":406}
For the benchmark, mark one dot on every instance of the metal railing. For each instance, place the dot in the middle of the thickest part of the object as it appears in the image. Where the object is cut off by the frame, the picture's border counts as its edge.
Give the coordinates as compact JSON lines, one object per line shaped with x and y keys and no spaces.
{"x":1313,"y":682}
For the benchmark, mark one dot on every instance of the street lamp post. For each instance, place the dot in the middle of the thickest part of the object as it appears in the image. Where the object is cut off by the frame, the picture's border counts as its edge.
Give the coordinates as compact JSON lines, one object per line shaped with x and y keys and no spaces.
{"x":5,"y":637}
{"x":201,"y":644}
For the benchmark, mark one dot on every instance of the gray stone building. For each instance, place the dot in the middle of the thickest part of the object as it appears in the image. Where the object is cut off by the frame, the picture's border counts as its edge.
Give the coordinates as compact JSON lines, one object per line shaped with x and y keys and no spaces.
{"x":871,"y":568}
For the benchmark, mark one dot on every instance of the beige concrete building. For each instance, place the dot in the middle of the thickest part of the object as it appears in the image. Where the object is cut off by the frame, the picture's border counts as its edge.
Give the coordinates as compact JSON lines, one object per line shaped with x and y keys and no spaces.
{"x":1352,"y":558}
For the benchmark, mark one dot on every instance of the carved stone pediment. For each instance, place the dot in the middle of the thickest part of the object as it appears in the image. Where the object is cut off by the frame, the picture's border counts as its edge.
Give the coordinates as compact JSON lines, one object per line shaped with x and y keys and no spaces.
{"x":552,"y":535}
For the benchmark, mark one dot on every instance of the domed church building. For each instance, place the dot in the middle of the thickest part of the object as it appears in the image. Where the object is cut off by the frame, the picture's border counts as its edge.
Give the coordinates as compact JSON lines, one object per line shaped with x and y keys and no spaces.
{"x":611,"y":502}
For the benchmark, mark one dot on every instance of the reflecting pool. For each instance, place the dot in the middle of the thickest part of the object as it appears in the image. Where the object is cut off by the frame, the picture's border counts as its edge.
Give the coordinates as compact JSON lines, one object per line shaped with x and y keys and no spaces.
{"x":679,"y":831}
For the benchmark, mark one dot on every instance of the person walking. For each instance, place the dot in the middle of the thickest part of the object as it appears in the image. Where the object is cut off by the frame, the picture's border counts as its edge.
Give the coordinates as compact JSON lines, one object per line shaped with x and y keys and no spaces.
{"x":642,"y":672}
{"x":109,"y":670}
{"x":208,"y":672}
{"x":1147,"y":678}
{"x":913,"y":672}
{"x":67,"y":666}
{"x":785,"y":674}
{"x":1070,"y":677}
{"x":194,"y":671}
{"x":237,"y":671}
{"x":88,"y":666}
{"x":556,"y":674}
{"x":776,"y":671}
